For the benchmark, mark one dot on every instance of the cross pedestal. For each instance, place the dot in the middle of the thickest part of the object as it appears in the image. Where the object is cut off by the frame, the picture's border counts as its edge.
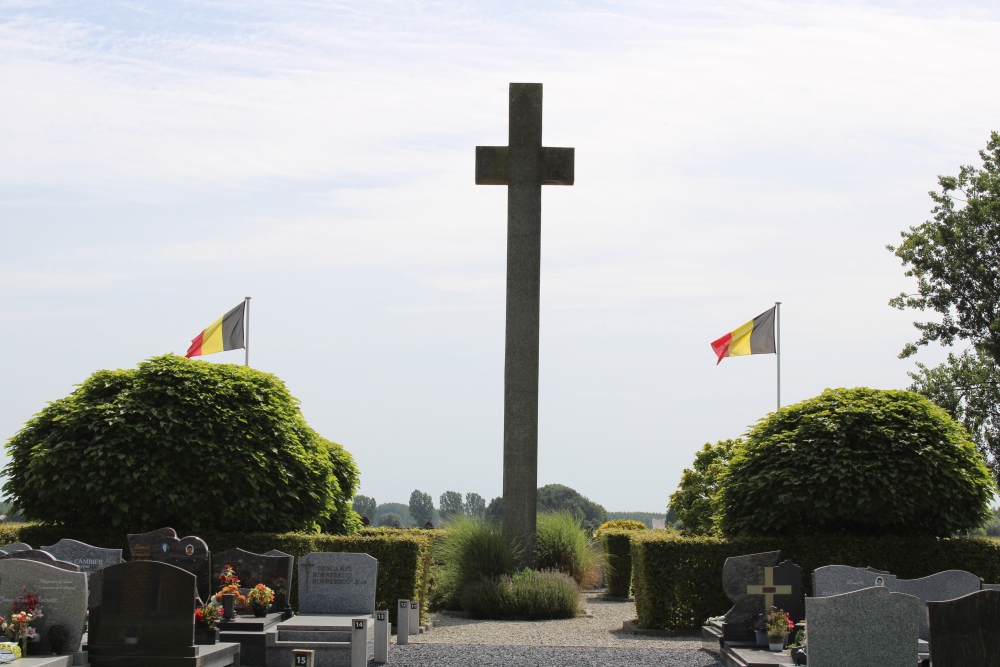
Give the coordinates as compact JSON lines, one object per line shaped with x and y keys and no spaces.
{"x":523,"y":166}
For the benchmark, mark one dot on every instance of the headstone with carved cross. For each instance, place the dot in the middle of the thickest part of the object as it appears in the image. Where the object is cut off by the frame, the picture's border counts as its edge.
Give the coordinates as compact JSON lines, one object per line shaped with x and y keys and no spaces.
{"x":739,"y":575}
{"x":524,"y":166}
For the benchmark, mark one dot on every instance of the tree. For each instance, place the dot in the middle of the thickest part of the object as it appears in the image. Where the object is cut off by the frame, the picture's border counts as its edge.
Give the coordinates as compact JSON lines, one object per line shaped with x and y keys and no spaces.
{"x":451,"y":504}
{"x":695,"y":502}
{"x":494,"y":511}
{"x":366,"y":506}
{"x":856,"y":461}
{"x":556,"y":497}
{"x":421,"y":507}
{"x":475,"y":505}
{"x":390,"y":520}
{"x":183,"y":443}
{"x":968,"y":387}
{"x":956,"y":259}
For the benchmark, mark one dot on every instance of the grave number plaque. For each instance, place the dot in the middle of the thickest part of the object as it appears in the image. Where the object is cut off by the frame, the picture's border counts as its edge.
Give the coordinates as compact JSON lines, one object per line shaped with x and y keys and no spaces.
{"x":302,"y":658}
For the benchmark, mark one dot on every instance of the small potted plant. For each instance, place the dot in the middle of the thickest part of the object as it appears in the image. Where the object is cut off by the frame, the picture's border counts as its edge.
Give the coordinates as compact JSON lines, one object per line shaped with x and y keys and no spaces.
{"x":778,"y":627}
{"x":260,"y":598}
{"x":760,"y":628}
{"x":205,"y":618}
{"x":799,"y":649}
{"x":58,"y":634}
{"x":25,"y":610}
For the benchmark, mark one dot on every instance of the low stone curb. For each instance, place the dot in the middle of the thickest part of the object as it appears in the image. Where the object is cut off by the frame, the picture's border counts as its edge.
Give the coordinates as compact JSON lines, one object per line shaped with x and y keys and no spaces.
{"x":631,"y":628}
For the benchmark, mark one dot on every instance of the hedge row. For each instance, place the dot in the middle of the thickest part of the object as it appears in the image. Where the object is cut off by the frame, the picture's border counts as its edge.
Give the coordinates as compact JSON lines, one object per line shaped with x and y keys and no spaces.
{"x":618,"y":567}
{"x":403,"y":555}
{"x":677,"y":581}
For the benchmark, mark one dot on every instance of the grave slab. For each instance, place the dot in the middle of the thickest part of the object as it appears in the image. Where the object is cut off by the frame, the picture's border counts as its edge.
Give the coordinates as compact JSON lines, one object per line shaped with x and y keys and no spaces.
{"x":840,"y":579}
{"x":163,"y":546}
{"x":740,"y":574}
{"x":89,"y":559}
{"x":63,"y":596}
{"x":337,"y":583}
{"x":965,"y":632}
{"x":872,"y":627}
{"x":947,"y":585}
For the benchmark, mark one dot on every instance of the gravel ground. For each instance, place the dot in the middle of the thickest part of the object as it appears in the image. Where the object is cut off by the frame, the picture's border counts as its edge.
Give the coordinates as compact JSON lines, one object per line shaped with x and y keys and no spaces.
{"x":481,"y":655}
{"x":578,"y":642}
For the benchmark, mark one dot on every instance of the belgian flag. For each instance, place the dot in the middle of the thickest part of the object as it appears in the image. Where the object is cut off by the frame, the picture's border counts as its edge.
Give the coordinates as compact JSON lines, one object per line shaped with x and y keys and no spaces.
{"x":225,"y":333}
{"x":754,"y":337}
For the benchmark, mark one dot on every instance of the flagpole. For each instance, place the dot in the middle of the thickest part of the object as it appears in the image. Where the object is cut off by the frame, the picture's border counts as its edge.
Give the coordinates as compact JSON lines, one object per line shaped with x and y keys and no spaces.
{"x":777,"y":346}
{"x":246,"y":340}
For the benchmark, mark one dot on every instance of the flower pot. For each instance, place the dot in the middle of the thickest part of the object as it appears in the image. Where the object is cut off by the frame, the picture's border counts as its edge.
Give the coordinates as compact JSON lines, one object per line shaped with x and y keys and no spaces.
{"x":229,"y":606}
{"x":799,"y":656}
{"x":776,"y":645}
{"x":761,"y":638}
{"x":260,"y":610}
{"x":204,"y":636}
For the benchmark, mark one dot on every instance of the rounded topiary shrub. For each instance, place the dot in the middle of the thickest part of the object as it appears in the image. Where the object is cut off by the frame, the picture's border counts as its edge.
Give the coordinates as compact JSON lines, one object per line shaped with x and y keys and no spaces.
{"x":182,"y":443}
{"x":621,"y":524}
{"x":856,"y":461}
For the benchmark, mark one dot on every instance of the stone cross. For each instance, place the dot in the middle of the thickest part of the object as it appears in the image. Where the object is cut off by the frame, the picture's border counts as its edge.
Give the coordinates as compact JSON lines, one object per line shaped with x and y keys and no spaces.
{"x":769,"y":590}
{"x":524,"y":166}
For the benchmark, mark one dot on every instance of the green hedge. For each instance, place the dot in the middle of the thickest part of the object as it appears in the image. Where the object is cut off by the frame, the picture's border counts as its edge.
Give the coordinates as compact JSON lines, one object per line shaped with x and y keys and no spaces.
{"x":618,"y":568}
{"x":677,"y":581}
{"x":403,"y":555}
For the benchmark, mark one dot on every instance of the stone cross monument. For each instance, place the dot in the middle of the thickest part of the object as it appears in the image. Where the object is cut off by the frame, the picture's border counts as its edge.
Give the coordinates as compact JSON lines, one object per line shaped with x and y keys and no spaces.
{"x":524,"y":166}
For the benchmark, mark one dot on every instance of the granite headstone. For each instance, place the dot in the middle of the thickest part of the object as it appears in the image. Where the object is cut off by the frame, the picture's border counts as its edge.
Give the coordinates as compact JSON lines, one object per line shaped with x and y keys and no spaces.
{"x":337,"y":583}
{"x":41,"y":557}
{"x":789,"y":575}
{"x":142,"y":604}
{"x":840,"y":579}
{"x":872,"y":627}
{"x":740,"y":573}
{"x":275,"y":572}
{"x":15,"y":546}
{"x":62,"y":594}
{"x":965,"y":632}
{"x":89,"y":559}
{"x":188,"y":553}
{"x":938,"y":587}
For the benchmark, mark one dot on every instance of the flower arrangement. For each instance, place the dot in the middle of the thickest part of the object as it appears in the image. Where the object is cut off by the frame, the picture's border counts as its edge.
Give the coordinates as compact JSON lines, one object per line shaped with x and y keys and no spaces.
{"x":207,"y":615}
{"x":24,"y":610}
{"x":778,"y":624}
{"x":240,"y":600}
{"x":260,"y":596}
{"x":228,"y":577}
{"x":12,"y":648}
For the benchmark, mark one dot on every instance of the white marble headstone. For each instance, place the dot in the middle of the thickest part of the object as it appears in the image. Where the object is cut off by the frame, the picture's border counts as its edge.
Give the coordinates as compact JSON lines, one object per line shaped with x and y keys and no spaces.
{"x":337,"y":583}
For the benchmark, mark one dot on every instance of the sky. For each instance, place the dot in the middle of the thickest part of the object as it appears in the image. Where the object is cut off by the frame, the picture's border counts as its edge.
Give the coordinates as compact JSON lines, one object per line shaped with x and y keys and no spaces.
{"x":161,"y":161}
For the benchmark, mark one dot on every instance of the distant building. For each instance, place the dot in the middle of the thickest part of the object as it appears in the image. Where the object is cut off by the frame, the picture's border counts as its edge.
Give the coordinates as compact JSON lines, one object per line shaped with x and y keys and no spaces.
{"x":659,"y":523}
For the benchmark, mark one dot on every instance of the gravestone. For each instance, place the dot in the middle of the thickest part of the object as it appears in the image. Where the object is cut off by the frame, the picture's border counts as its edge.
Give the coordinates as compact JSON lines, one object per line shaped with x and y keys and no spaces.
{"x":163,"y":546}
{"x":991,"y":587}
{"x":337,"y":583}
{"x":41,"y":557}
{"x":871,"y":627}
{"x":787,"y":576}
{"x":840,"y":579}
{"x":15,"y":546}
{"x":965,"y":632}
{"x":63,"y":596}
{"x":740,"y":575}
{"x":940,"y":586}
{"x":524,"y":165}
{"x":89,"y":559}
{"x":275,"y":572}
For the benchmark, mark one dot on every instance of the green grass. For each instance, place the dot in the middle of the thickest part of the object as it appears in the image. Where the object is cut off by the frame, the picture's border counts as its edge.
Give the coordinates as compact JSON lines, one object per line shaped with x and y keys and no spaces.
{"x":562,"y":545}
{"x":528,"y":595}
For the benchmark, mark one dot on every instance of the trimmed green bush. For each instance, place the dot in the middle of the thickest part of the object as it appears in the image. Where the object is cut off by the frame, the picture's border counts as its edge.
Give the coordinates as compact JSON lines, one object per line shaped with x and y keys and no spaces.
{"x":560,"y":544}
{"x":677,"y":581}
{"x":527,"y":595}
{"x":621,"y":524}
{"x":618,"y":567}
{"x":856,"y":461}
{"x":180,"y":442}
{"x":403,"y":555}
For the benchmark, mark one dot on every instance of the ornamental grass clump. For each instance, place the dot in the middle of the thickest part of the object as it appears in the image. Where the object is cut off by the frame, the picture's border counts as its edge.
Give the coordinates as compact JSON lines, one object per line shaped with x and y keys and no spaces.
{"x":561,"y":545}
{"x":471,"y":550}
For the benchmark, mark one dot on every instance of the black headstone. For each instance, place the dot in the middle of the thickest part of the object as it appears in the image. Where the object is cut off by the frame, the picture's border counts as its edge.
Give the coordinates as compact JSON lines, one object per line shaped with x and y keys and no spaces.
{"x":143,"y":604}
{"x":41,"y":557}
{"x":790,"y":574}
{"x":275,"y":572}
{"x":965,"y":632}
{"x":188,"y":553}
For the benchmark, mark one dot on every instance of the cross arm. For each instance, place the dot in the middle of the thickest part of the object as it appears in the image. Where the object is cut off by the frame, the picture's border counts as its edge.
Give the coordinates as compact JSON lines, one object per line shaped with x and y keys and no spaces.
{"x":557,"y":166}
{"x":491,"y":165}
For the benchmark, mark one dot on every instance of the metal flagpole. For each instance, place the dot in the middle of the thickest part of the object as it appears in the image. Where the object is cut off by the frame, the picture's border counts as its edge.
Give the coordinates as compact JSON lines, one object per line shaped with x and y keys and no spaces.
{"x":246,"y":334}
{"x":777,"y":344}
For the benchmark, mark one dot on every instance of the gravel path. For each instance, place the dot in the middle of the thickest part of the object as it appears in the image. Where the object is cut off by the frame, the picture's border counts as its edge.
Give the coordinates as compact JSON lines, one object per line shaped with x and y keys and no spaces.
{"x":578,"y":642}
